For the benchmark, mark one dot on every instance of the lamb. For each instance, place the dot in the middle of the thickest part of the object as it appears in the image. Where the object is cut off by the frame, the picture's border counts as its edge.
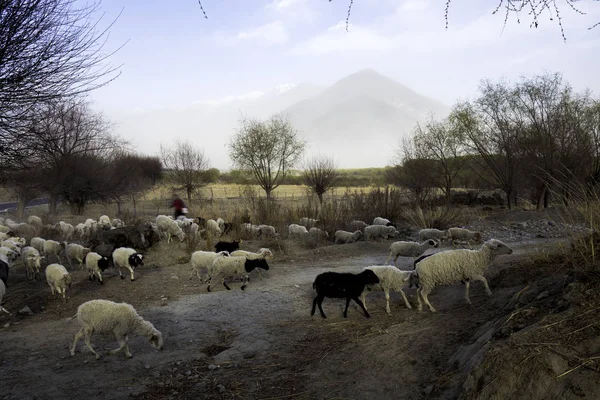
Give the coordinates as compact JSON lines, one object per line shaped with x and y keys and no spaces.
{"x":382,"y":221}
{"x":235,"y":267}
{"x":121,"y":319}
{"x":318,"y":234}
{"x":35,"y":221}
{"x":409,"y":249}
{"x":434,"y":234}
{"x":295,"y":230}
{"x":76,"y":251}
{"x":126,"y":257}
{"x":340,"y":285}
{"x":221,"y":223}
{"x":202,"y":260}
{"x":454,"y":266}
{"x":96,"y":264}
{"x":379,"y":232}
{"x":212,"y":228}
{"x":261,"y":253}
{"x":37,"y":243}
{"x":53,"y":247}
{"x":58,"y":279}
{"x":358,"y":225}
{"x":170,"y":227}
{"x":2,"y":293}
{"x":32,"y":259}
{"x":104,"y":222}
{"x":308,"y":222}
{"x":227,"y":246}
{"x":66,"y":229}
{"x":460,"y":234}
{"x":346,"y":237}
{"x":117,"y":223}
{"x":267,"y":231}
{"x":390,"y":278}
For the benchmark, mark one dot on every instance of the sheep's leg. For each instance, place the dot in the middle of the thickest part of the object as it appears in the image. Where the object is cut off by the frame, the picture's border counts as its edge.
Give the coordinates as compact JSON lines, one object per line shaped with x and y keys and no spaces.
{"x":88,"y":343}
{"x":388,"y":259}
{"x":78,"y":336}
{"x":131,"y":273}
{"x":52,"y":289}
{"x":424,"y":294}
{"x":467,"y":285}
{"x":4,"y":309}
{"x":406,"y":302}
{"x":100,"y":277}
{"x":122,"y":345}
{"x":225,"y":284}
{"x":317,"y":302}
{"x":360,"y":303}
{"x":64,"y":295}
{"x":259,"y":275}
{"x":419,"y":304}
{"x":485,"y":283}
{"x":197,"y":273}
{"x":346,"y":309}
{"x":363,"y":297}
{"x":118,"y":268}
{"x":387,"y":302}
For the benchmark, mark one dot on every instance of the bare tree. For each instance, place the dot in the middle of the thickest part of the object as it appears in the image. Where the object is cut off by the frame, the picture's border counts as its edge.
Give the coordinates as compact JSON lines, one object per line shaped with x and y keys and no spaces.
{"x":267,"y":149}
{"x":320,"y":174}
{"x":186,"y":167}
{"x":50,"y":50}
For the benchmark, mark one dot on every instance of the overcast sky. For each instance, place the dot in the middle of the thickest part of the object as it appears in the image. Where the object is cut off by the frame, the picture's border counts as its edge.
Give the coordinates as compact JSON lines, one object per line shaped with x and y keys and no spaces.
{"x":175,"y":57}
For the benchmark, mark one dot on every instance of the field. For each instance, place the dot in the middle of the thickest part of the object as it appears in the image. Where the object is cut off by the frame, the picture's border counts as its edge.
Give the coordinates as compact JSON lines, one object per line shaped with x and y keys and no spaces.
{"x":262,"y":343}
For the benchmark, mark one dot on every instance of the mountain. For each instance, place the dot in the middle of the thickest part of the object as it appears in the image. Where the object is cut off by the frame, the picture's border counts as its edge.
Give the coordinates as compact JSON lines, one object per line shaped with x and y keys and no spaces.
{"x":358,"y":120}
{"x":365,"y":112}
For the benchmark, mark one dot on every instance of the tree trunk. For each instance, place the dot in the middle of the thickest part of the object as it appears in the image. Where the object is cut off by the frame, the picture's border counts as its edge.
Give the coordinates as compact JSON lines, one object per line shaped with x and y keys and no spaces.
{"x":541,"y":198}
{"x":508,"y":199}
{"x":21,"y":207}
{"x":320,"y":195}
{"x":134,"y":206}
{"x":546,"y":198}
{"x":189,"y":196}
{"x":52,"y":206}
{"x":118,"y":208}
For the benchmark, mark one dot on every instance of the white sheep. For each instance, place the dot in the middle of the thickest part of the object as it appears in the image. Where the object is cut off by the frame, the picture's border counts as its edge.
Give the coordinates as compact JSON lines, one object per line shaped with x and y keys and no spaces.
{"x":96,"y":264}
{"x":76,"y":251}
{"x":37,"y":243}
{"x":295,"y":230}
{"x":234,"y":267}
{"x":35,"y":221}
{"x":390,"y":279}
{"x":379,"y":232}
{"x":358,"y":225}
{"x":434,"y":234}
{"x":267,"y":231}
{"x":53,"y":247}
{"x":80,"y":230}
{"x":346,"y":237}
{"x":14,"y":246}
{"x":104,"y":222}
{"x":2,"y":293}
{"x":169,"y":227}
{"x":202,"y":261}
{"x":308,"y":222}
{"x":118,"y":223}
{"x":4,"y":236}
{"x":318,"y":234}
{"x":250,"y":230}
{"x":409,"y":249}
{"x":221,"y":222}
{"x":464,"y":235}
{"x":126,"y":257}
{"x":4,"y":229}
{"x":58,"y":279}
{"x":261,"y":253}
{"x":454,"y":266}
{"x":91,"y":226}
{"x":120,"y":319}
{"x":382,"y":221}
{"x":10,"y":255}
{"x":32,"y":260}
{"x":66,"y":229}
{"x":212,"y":228}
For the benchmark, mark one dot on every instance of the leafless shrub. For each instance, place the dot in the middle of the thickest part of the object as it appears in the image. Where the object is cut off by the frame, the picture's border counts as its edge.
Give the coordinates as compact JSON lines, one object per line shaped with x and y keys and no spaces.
{"x":320,"y":174}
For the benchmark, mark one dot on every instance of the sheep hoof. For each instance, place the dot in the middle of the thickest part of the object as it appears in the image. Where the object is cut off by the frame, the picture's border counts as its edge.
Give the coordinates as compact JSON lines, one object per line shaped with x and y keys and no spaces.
{"x":101,"y":282}
{"x":208,"y":289}
{"x":129,"y":355}
{"x":72,"y":353}
{"x":132,"y":279}
{"x":122,"y":277}
{"x":98,"y":357}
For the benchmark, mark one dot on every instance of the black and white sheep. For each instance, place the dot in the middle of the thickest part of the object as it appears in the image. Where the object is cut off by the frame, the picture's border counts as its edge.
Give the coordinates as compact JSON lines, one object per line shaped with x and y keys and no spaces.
{"x":342,"y":285}
{"x":261,"y":253}
{"x":96,"y":264}
{"x":126,"y":257}
{"x":120,"y":319}
{"x":234,"y":267}
{"x":455,"y":266}
{"x":201,"y":261}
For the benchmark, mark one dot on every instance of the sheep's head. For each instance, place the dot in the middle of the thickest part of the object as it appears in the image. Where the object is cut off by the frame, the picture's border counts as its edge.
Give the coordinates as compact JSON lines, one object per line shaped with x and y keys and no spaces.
{"x":432,"y":243}
{"x":103,"y":263}
{"x":266,"y":253}
{"x":369,"y":277}
{"x":497,"y":247}
{"x":477,"y":236}
{"x":251,"y":265}
{"x":67,"y":280}
{"x":155,"y":339}
{"x":136,"y":259}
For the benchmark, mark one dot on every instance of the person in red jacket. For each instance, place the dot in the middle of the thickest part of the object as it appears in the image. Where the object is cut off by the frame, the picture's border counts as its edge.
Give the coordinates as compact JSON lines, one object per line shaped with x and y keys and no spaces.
{"x":179,"y":206}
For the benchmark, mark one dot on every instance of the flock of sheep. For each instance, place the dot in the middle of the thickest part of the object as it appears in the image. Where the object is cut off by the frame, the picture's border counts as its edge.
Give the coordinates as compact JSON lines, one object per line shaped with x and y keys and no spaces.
{"x":229,"y":262}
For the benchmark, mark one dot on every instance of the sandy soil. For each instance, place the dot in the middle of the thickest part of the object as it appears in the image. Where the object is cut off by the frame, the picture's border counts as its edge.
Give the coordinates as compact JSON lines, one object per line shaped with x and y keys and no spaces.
{"x":254,"y":344}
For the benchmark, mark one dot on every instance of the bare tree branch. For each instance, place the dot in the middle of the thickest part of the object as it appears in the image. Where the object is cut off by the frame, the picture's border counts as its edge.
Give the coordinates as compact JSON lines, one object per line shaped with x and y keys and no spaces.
{"x":320,"y":174}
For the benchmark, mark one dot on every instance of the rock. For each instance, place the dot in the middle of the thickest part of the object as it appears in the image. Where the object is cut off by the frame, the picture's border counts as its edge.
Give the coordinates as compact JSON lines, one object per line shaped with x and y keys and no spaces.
{"x":6,"y":325}
{"x":174,"y":277}
{"x":25,"y":311}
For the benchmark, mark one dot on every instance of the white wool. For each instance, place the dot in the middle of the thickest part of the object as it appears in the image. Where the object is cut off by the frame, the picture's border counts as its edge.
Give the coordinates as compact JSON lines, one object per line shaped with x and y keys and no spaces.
{"x":461,"y":234}
{"x":409,"y":249}
{"x":308,"y":222}
{"x":358,"y":225}
{"x":2,"y":293}
{"x":58,"y":279}
{"x":435,"y":234}
{"x":169,"y":227}
{"x":4,"y":229}
{"x":390,"y":279}
{"x":117,"y":223}
{"x":267,"y":231}
{"x":35,"y":221}
{"x":261,"y":253}
{"x":381,"y":221}
{"x":119,"y":319}
{"x":14,"y":246}
{"x":37,"y":243}
{"x":76,"y":251}
{"x":453,"y":266}
{"x":53,"y":247}
{"x":229,"y":267}
{"x":295,"y":230}
{"x":9,"y":254}
{"x":4,"y":236}
{"x":32,"y":260}
{"x":202,"y":261}
{"x":91,"y":263}
{"x":104,"y":222}
{"x":213,"y":228}
{"x":80,"y":230}
{"x":379,"y":232}
{"x":121,"y":259}
{"x":66,"y":229}
{"x":318,"y":234}
{"x":346,"y":237}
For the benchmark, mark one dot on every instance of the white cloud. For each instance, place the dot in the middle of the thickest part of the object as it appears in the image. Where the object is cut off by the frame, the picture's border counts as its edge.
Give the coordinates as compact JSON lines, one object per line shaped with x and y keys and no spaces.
{"x":272,"y":33}
{"x":295,"y":10}
{"x":414,"y":5}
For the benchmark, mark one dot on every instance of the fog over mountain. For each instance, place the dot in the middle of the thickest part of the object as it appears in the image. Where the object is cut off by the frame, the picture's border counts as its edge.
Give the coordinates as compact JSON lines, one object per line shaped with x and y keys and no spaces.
{"x":359,"y":119}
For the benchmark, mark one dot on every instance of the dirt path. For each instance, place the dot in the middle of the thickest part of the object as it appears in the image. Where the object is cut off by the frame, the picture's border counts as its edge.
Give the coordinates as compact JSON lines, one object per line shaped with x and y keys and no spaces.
{"x":258,"y":343}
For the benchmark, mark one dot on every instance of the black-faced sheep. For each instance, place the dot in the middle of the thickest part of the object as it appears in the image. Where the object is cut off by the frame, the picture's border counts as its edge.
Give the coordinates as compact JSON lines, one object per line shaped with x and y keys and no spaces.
{"x":126,"y":257}
{"x":227,"y":246}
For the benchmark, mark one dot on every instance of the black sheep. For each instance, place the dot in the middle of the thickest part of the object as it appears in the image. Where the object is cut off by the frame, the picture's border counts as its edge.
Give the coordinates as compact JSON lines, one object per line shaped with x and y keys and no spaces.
{"x":340,"y":285}
{"x":4,"y":272}
{"x":229,"y":247}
